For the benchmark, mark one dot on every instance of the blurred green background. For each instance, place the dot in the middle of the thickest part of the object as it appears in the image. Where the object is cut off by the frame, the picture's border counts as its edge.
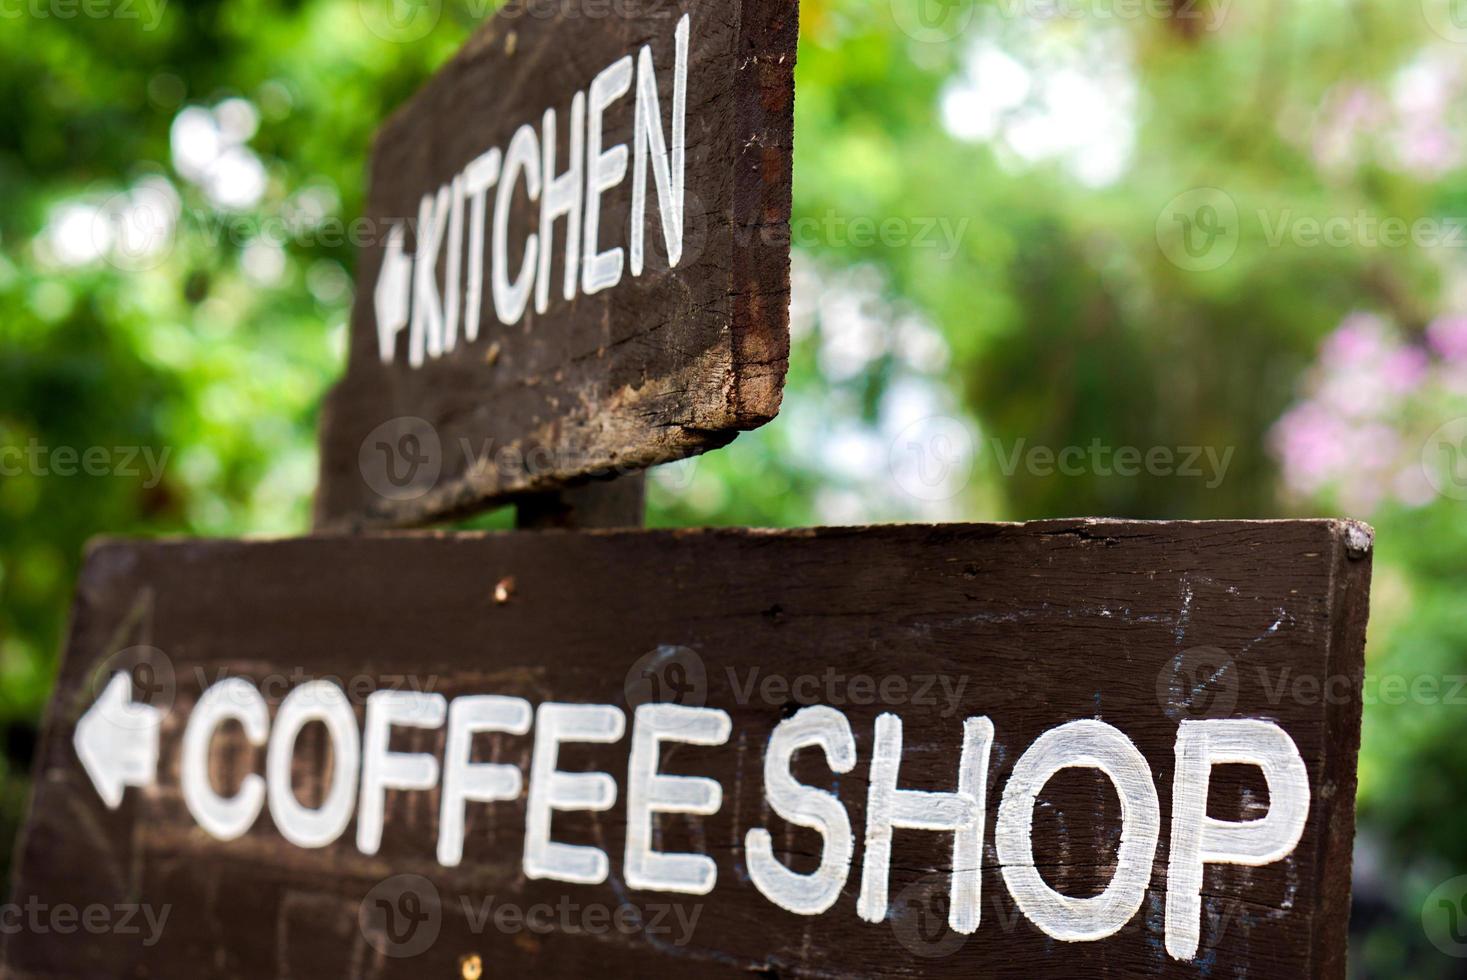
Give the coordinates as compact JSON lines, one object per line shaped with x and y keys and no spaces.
{"x":1127,"y":226}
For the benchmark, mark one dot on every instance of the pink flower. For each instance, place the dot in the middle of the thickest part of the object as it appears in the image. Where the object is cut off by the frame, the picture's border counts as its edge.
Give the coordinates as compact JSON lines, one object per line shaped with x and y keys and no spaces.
{"x":1404,"y":369}
{"x":1358,"y":341}
{"x":1447,"y":336}
{"x":1427,"y":151}
{"x":1312,"y":443}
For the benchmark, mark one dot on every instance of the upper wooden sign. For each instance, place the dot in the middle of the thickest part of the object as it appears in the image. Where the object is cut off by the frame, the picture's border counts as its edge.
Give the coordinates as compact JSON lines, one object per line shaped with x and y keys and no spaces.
{"x":581,"y":258}
{"x":1061,"y":750}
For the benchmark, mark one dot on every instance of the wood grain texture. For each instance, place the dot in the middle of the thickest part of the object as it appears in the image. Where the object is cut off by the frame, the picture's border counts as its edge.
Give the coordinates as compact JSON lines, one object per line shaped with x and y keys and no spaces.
{"x":662,"y":366}
{"x":1033,"y":626}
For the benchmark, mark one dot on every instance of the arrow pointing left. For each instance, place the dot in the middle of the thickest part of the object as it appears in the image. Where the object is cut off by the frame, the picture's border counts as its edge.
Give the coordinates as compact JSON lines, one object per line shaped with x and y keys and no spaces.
{"x":117,"y":741}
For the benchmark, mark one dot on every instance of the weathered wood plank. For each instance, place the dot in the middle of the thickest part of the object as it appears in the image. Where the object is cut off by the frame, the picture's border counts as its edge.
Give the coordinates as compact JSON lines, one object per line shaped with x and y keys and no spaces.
{"x":1141,"y":626}
{"x":461,"y":392}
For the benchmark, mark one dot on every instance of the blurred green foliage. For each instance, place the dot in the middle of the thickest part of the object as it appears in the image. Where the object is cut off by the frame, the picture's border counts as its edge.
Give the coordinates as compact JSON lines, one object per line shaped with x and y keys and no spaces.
{"x":1061,"y":305}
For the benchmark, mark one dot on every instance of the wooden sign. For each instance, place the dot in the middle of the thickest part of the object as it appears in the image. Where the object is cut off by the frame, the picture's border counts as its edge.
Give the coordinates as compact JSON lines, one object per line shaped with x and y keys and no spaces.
{"x":581,"y":258}
{"x":1068,"y":749}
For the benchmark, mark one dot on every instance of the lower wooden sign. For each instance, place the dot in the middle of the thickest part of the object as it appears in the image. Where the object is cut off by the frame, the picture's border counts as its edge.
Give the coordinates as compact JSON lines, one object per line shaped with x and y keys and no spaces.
{"x":1066,"y":749}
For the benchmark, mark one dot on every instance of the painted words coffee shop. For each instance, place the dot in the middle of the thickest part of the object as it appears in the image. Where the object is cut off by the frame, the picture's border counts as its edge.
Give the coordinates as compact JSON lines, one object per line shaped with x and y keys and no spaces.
{"x":1043,"y":750}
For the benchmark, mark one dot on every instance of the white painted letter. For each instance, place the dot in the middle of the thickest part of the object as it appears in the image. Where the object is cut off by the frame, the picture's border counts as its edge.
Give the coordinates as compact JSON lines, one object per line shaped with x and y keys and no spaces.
{"x":551,"y":789}
{"x":234,"y":699}
{"x":669,"y":173}
{"x":888,"y":807}
{"x":650,"y":792}
{"x":479,"y":176}
{"x":1084,"y":744}
{"x":383,"y":769}
{"x":453,"y":276}
{"x":805,"y":806}
{"x":463,"y":781}
{"x":564,"y":196}
{"x":510,"y":299}
{"x":1199,"y":840}
{"x":603,"y":172}
{"x":324,"y":702}
{"x":427,"y":308}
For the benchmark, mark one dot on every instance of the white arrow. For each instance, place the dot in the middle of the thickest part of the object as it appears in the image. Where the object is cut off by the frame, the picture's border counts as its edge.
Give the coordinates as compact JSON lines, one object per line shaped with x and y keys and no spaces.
{"x":117,"y":741}
{"x":393,"y":295}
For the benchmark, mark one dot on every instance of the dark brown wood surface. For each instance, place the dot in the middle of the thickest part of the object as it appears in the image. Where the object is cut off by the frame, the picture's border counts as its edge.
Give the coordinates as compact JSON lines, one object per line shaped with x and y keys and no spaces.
{"x":1142,"y":626}
{"x":619,"y":503}
{"x":661,"y":366}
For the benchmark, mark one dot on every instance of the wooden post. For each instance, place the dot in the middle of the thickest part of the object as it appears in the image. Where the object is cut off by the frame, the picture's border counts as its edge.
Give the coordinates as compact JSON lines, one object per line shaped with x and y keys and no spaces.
{"x":616,"y":503}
